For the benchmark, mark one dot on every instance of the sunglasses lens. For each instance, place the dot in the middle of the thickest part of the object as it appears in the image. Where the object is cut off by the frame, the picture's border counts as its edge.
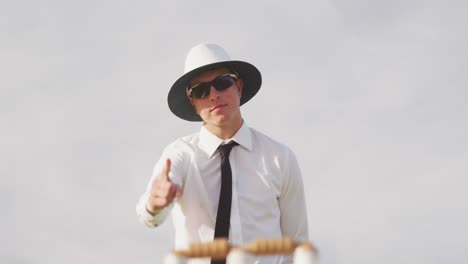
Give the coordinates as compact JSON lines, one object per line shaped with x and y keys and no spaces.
{"x":201,"y":91}
{"x":221,"y":83}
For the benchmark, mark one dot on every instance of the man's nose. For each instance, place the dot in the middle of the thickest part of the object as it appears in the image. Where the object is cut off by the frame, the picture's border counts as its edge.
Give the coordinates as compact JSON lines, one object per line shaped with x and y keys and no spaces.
{"x":213,"y":93}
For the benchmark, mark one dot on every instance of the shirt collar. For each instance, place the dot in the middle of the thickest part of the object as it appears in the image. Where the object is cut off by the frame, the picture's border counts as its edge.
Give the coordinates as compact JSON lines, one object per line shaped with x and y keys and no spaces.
{"x":210,"y":142}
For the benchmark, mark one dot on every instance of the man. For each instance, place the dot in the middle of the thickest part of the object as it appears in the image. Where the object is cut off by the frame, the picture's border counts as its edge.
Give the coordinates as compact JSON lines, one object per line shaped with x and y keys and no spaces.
{"x":227,"y":180}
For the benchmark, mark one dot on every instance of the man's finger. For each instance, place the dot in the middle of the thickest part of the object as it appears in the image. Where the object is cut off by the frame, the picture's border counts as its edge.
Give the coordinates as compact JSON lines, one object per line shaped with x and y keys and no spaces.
{"x":177,"y":191}
{"x":166,"y":194}
{"x":165,"y":171}
{"x":162,"y":202}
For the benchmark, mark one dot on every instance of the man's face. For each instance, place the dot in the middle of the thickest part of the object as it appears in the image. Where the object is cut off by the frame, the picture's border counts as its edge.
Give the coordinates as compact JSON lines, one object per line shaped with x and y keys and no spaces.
{"x":219,"y":108}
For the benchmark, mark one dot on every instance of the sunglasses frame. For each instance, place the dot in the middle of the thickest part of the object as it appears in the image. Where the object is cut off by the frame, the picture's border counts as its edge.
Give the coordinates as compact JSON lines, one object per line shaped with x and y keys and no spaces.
{"x":189,"y":89}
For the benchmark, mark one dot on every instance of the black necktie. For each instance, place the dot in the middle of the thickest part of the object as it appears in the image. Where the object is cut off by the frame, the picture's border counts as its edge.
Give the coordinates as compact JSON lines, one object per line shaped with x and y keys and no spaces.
{"x":225,"y":196}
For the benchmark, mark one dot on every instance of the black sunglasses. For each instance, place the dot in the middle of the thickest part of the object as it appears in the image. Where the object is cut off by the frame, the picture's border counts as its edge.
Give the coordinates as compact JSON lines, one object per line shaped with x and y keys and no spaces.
{"x":220,"y":83}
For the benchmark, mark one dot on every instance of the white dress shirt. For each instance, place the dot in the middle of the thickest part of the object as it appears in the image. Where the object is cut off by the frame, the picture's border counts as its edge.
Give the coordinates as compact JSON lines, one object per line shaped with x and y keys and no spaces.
{"x":267,"y":191}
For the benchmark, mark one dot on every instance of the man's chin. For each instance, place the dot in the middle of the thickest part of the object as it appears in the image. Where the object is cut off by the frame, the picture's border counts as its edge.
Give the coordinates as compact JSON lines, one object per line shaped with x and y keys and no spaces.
{"x":218,"y":120}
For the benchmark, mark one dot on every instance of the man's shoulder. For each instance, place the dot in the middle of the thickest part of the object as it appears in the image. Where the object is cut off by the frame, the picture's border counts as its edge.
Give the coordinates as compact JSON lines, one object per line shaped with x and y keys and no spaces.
{"x":268,"y":141}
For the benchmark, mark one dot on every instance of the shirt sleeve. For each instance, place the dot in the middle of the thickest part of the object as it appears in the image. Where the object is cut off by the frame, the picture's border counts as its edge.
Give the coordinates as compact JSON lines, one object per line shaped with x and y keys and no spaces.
{"x":148,"y":219}
{"x":175,"y":175}
{"x":292,"y":203}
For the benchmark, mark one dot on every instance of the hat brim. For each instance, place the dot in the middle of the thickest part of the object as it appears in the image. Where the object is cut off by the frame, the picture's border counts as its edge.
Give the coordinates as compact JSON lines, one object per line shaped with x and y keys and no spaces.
{"x":179,"y":103}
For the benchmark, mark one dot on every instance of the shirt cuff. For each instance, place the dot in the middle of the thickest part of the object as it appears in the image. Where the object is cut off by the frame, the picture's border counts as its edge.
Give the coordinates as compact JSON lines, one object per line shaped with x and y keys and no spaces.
{"x":148,"y":219}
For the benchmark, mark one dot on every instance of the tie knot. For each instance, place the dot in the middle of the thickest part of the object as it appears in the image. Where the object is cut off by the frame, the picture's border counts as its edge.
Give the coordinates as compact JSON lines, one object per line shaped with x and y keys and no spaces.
{"x":225,"y":149}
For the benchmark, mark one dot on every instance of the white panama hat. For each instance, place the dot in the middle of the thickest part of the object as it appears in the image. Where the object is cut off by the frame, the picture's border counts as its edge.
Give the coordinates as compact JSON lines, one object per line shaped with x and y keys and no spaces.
{"x":206,"y":57}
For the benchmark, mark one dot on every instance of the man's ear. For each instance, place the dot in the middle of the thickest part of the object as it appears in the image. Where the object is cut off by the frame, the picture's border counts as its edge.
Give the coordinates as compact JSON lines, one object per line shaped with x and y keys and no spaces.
{"x":193,"y":105}
{"x":240,"y":86}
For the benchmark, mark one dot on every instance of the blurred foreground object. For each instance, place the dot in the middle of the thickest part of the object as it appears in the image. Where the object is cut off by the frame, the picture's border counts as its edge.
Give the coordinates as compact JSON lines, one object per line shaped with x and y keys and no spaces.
{"x":303,"y":252}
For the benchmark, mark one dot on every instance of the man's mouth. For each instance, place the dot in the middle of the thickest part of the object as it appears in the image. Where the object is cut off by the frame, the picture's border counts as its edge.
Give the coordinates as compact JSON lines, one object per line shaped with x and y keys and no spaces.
{"x":217,"y":107}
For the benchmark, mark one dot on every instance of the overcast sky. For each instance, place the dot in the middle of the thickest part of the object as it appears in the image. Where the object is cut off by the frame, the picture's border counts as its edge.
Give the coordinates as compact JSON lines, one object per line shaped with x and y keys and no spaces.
{"x":370,"y":95}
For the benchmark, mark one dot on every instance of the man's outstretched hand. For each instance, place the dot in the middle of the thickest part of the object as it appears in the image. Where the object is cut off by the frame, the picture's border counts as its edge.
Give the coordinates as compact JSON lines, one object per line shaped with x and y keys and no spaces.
{"x":163,"y":191}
